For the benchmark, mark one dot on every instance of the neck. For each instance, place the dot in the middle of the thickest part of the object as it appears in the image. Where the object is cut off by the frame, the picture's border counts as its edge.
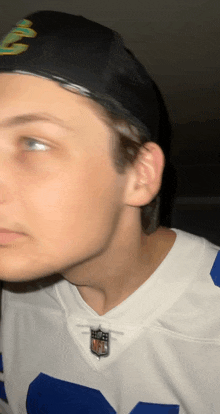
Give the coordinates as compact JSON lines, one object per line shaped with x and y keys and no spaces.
{"x":115,"y":285}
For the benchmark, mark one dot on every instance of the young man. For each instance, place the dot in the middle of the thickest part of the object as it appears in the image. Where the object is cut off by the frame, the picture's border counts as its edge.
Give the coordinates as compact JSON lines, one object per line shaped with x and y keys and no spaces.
{"x":103,"y":310}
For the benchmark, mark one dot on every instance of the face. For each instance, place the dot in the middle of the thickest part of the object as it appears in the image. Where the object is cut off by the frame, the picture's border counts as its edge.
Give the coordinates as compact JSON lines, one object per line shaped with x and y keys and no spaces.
{"x":58,"y":184}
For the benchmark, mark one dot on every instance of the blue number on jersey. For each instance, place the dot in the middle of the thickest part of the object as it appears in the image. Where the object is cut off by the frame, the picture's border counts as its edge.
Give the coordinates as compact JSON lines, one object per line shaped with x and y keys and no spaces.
{"x":48,"y":395}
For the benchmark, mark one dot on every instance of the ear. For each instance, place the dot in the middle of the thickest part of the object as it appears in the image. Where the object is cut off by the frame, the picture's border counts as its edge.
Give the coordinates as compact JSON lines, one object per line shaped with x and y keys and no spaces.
{"x":147,"y":174}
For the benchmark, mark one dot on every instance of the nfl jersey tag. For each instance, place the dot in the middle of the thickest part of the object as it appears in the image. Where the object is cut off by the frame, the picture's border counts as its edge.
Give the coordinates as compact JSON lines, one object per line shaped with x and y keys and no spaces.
{"x":99,"y":342}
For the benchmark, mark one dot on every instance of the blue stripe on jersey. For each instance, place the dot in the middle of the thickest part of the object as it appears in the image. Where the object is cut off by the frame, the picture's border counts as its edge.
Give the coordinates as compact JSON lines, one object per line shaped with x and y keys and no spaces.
{"x":1,"y":363}
{"x":149,"y":408}
{"x":3,"y":395}
{"x":215,"y":272}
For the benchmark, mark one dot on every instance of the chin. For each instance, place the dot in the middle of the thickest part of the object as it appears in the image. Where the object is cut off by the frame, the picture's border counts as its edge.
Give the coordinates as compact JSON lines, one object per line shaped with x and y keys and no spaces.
{"x":23,"y":272}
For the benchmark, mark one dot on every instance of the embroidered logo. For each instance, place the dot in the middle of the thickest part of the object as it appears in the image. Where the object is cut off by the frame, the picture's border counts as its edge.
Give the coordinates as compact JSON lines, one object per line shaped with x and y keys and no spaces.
{"x":8,"y":46}
{"x":99,"y":342}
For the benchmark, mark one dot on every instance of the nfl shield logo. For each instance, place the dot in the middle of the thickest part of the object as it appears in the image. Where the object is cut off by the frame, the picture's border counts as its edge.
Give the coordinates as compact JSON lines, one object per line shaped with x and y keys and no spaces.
{"x":99,"y":342}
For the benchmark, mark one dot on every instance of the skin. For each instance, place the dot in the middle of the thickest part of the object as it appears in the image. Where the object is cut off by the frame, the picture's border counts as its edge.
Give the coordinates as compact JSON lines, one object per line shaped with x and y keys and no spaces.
{"x":80,"y":218}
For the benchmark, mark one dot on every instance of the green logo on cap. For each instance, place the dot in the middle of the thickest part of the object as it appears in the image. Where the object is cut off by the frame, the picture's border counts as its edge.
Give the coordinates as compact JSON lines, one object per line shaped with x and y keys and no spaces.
{"x":8,"y":45}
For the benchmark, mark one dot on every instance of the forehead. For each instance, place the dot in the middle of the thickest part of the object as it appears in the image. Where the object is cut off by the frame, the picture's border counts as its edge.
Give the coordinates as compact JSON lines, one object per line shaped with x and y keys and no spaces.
{"x":21,"y":93}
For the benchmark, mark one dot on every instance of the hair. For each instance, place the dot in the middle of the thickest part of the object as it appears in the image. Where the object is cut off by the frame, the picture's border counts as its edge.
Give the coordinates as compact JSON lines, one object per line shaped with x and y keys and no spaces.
{"x":128,"y":137}
{"x":126,"y":147}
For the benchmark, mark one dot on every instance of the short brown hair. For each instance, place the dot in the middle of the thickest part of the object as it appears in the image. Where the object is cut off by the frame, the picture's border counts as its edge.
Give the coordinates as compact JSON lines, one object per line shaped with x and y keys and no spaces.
{"x":128,"y":139}
{"x":129,"y":135}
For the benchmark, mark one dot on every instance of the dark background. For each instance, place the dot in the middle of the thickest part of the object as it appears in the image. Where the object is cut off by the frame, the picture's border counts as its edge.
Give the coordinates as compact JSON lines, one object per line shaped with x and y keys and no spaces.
{"x":178,"y":41}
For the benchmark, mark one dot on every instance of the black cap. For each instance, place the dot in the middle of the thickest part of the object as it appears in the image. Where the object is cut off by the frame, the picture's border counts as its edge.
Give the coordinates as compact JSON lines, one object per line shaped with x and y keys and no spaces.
{"x":73,"y":50}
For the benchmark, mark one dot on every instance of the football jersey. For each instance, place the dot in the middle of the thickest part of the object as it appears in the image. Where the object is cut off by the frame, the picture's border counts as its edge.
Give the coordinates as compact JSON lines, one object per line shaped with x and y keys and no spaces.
{"x":162,"y":343}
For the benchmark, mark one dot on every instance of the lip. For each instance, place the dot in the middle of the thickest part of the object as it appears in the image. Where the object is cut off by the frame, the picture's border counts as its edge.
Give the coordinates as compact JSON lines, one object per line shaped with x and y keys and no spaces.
{"x":2,"y":230}
{"x":8,"y":236}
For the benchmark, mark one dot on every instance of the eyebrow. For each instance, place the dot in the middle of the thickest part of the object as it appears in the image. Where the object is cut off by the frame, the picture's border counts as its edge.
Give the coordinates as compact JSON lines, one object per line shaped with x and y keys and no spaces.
{"x":35,"y":117}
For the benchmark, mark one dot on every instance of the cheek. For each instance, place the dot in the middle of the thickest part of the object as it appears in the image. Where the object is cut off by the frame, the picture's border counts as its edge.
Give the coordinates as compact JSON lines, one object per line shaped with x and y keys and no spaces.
{"x":75,"y":205}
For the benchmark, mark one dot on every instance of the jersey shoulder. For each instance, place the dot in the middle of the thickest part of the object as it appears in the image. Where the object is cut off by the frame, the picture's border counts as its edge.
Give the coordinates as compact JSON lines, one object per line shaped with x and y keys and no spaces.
{"x":194,"y":315}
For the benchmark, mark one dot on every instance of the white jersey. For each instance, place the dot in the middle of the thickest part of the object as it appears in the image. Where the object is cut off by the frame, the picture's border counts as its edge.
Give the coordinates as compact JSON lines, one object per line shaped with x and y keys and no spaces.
{"x":164,"y":343}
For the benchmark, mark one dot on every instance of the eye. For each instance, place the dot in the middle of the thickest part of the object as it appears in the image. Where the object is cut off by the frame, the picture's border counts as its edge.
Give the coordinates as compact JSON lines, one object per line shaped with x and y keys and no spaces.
{"x":38,"y":145}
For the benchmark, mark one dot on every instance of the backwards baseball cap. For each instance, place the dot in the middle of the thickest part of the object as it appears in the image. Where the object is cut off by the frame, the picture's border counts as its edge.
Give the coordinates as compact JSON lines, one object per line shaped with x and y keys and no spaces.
{"x":84,"y":55}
